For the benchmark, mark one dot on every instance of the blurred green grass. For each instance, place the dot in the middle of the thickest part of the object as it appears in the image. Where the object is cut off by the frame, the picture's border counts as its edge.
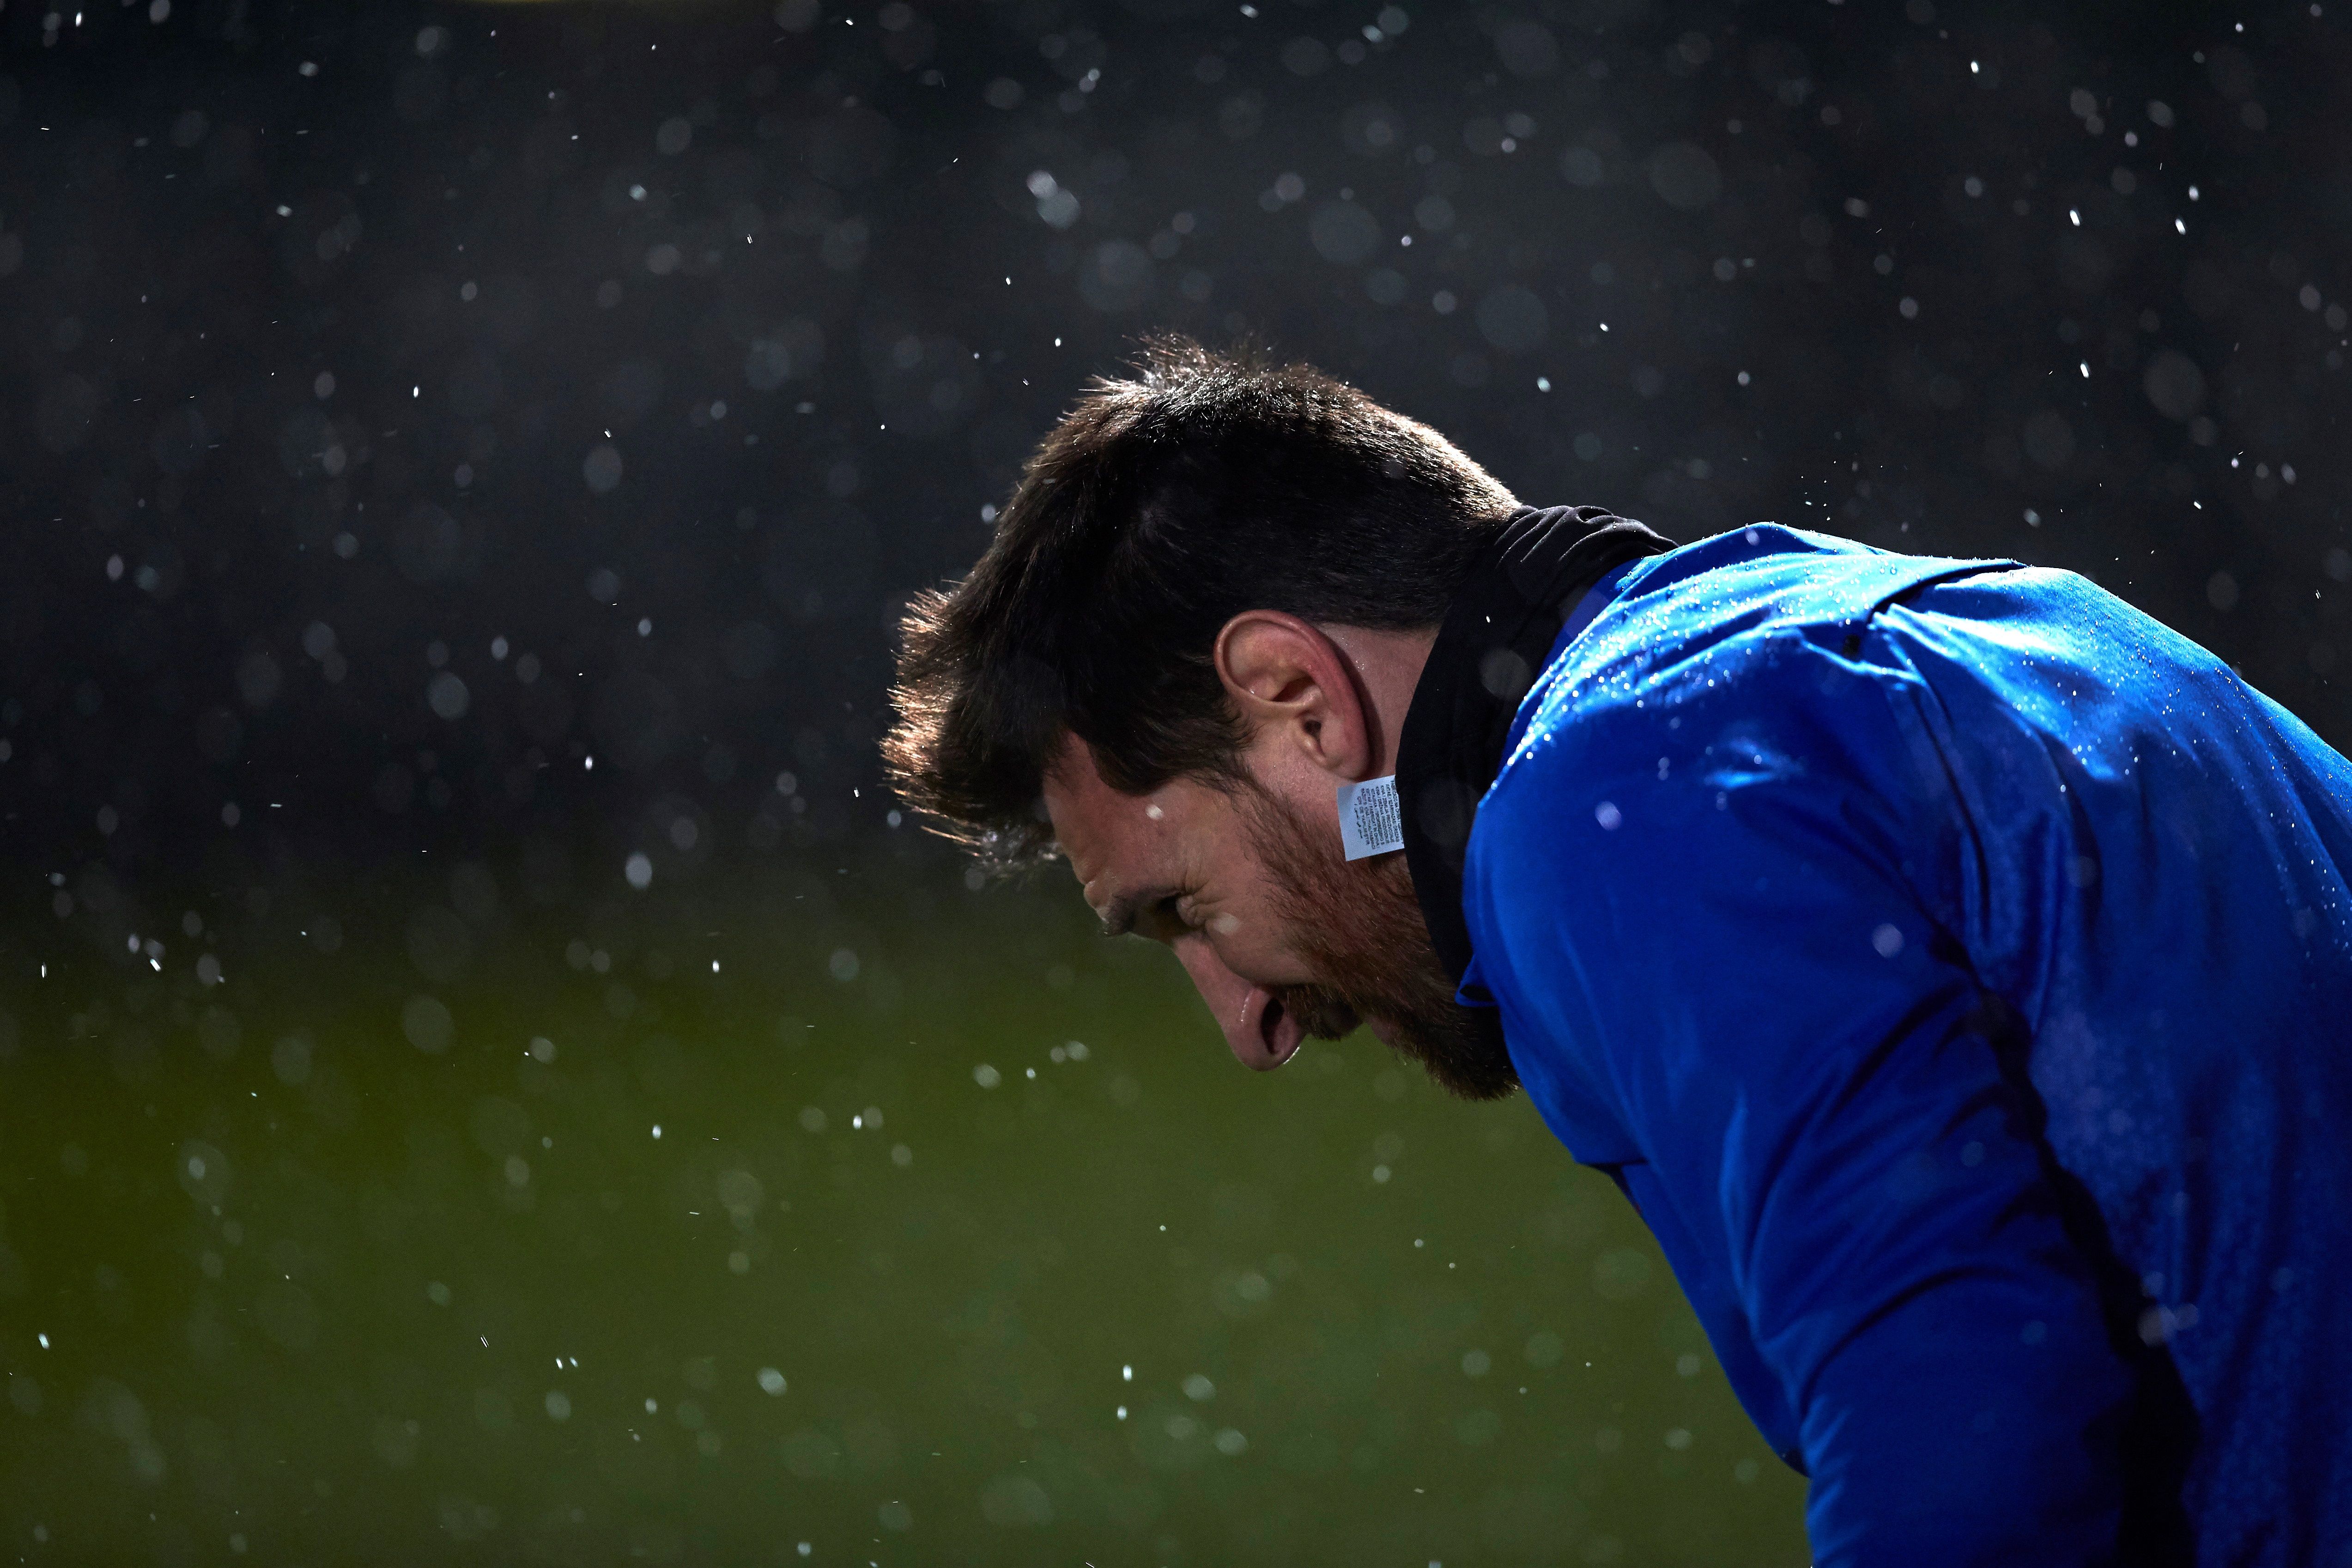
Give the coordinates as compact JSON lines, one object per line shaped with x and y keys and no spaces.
{"x":314,"y":1293}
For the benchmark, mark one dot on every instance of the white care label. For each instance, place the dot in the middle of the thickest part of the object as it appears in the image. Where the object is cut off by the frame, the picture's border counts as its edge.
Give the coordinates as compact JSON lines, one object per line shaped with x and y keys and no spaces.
{"x":1371,"y":821}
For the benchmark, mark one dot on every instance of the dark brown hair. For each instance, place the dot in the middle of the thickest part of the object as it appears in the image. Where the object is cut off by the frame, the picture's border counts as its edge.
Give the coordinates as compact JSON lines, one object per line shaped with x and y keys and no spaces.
{"x":1166,"y":502}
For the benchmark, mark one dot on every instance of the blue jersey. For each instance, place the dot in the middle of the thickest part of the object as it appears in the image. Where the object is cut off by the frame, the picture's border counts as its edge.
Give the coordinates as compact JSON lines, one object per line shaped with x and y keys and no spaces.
{"x":1954,"y":966}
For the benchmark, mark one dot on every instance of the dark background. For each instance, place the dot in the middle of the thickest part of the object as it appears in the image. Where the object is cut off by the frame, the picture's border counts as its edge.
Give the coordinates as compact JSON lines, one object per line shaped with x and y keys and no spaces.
{"x":403,"y":408}
{"x":365,"y":475}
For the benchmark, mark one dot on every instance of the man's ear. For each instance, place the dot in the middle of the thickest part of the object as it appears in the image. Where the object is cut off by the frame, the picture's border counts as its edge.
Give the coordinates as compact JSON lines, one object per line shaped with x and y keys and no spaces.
{"x":1287,"y":679}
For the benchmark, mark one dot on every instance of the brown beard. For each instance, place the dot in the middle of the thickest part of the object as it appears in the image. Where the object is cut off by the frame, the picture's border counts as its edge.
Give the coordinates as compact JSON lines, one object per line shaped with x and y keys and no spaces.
{"x":1358,"y":925}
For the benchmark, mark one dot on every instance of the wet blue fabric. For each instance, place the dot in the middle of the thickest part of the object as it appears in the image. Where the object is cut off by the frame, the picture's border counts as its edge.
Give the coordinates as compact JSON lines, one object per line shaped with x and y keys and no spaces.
{"x":1954,"y":966}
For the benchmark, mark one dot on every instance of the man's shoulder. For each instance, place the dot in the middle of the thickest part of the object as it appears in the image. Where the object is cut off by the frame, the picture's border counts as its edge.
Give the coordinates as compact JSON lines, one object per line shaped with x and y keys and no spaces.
{"x":1708,"y":634}
{"x":1765,"y":575}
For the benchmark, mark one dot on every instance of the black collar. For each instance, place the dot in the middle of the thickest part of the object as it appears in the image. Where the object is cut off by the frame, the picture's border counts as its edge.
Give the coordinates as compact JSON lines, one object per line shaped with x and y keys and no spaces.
{"x":1497,"y":636}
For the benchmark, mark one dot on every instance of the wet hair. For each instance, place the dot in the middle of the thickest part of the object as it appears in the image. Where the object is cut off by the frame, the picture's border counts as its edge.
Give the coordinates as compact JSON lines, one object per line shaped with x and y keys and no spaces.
{"x":1167,"y":500}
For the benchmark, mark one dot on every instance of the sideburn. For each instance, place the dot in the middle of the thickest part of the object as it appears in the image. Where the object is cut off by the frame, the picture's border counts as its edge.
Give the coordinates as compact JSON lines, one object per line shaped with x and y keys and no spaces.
{"x":1358,"y":925}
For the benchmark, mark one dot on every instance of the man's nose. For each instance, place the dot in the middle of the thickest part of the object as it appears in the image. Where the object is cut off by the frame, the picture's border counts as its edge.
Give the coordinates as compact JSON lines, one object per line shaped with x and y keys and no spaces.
{"x":1259,"y":1030}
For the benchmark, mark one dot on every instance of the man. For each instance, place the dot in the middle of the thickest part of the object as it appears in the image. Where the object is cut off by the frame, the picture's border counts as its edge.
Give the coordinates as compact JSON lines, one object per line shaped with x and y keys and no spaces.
{"x":1952,"y":963}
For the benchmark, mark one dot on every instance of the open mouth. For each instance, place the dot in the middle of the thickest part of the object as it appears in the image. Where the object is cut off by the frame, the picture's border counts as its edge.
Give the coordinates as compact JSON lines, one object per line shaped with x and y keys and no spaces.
{"x":1276,"y":1021}
{"x":1271,"y":1031}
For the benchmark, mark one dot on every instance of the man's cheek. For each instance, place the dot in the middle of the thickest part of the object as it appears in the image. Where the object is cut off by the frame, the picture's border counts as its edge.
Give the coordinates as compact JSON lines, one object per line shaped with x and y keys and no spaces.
{"x":1219,"y":986}
{"x":1264,"y":948}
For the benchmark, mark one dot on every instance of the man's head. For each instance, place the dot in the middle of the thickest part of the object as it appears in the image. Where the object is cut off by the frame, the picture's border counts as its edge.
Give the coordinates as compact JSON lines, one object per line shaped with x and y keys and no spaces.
{"x":1204,"y":609}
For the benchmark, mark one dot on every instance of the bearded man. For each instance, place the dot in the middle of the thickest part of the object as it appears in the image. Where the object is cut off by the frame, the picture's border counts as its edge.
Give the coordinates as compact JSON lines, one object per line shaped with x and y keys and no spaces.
{"x":1952,"y":963}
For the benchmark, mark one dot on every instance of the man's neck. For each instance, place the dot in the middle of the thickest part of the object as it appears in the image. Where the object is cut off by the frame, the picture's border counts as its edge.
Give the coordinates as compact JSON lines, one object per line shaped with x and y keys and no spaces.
{"x":1494,"y":644}
{"x":1387,"y":667}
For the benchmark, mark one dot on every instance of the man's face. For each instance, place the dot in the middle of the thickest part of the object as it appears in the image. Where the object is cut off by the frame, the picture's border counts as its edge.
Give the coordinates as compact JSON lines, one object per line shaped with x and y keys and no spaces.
{"x":1283,"y":936}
